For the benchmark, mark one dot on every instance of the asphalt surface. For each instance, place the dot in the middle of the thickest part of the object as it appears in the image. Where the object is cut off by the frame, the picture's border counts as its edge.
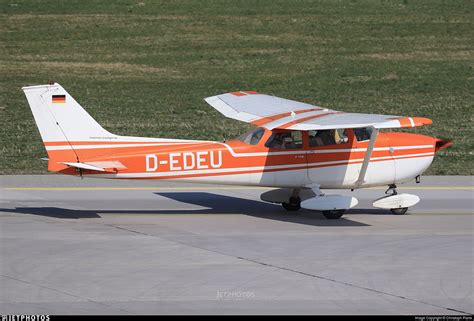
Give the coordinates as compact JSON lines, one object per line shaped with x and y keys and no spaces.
{"x":71,"y":246}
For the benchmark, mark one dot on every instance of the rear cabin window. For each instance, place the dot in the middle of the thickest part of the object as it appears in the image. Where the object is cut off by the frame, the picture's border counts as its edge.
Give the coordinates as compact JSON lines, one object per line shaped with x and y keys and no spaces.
{"x":327,"y":137}
{"x":362,"y":134}
{"x":285,"y":140}
{"x":252,"y":137}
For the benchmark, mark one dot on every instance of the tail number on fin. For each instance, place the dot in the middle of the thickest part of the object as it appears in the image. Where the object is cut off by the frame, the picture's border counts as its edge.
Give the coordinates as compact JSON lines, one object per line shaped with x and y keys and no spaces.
{"x":183,"y":161}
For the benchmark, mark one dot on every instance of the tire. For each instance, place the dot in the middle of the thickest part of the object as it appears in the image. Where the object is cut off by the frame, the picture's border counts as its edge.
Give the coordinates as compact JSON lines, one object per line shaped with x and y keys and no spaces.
{"x":334,"y":214}
{"x":293,"y":205}
{"x":399,"y":211}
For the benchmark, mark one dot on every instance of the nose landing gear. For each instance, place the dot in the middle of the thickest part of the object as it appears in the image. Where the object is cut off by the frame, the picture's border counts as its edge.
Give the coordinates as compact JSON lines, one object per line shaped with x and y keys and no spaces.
{"x":399,"y":211}
{"x":392,"y":189}
{"x":397,"y":203}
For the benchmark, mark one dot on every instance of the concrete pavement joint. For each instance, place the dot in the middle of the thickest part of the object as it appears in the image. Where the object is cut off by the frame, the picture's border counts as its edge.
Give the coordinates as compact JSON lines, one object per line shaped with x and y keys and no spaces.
{"x":62,"y":292}
{"x":350,"y":284}
{"x":295,"y":271}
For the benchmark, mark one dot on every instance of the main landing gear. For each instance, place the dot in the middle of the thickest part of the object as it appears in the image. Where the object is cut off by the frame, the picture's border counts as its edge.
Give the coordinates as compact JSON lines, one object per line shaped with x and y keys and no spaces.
{"x":333,"y":214}
{"x":332,"y":206}
{"x":293,"y":205}
{"x":397,"y":203}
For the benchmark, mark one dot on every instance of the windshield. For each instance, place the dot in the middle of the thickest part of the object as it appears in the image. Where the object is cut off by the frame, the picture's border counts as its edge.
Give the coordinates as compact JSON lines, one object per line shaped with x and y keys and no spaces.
{"x":252,"y":137}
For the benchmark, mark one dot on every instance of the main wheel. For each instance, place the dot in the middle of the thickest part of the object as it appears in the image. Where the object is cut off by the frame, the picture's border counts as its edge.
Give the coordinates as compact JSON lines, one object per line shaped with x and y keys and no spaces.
{"x":334,"y":214}
{"x":294,"y":204}
{"x":399,"y":211}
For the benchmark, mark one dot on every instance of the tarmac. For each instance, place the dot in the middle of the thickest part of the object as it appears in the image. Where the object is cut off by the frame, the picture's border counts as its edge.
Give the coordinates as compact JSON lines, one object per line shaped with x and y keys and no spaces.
{"x":72,"y":246}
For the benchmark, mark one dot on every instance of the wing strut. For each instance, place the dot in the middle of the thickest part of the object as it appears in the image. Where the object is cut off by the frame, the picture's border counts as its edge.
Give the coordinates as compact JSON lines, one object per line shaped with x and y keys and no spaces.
{"x":368,"y":155}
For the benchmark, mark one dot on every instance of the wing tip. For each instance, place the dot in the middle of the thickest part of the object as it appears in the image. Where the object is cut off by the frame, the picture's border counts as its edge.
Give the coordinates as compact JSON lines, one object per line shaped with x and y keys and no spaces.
{"x":422,"y":121}
{"x":243,"y":93}
{"x":408,"y":122}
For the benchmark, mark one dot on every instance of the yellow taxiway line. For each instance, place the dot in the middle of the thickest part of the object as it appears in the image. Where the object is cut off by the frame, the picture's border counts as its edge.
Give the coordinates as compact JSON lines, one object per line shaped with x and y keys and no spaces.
{"x":187,"y":188}
{"x":105,"y":188}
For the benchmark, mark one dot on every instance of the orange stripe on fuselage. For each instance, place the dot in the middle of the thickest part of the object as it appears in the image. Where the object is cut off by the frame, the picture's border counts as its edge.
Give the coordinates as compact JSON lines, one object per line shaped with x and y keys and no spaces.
{"x":135,"y":160}
{"x":264,"y":170}
{"x":236,"y":156}
{"x":274,"y":157}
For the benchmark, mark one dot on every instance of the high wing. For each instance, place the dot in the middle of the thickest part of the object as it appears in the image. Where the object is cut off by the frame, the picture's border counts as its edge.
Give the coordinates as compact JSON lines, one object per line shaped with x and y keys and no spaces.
{"x":273,"y":112}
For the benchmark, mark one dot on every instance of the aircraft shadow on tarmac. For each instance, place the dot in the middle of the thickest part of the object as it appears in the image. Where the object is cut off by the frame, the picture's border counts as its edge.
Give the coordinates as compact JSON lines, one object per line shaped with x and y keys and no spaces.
{"x":213,"y":204}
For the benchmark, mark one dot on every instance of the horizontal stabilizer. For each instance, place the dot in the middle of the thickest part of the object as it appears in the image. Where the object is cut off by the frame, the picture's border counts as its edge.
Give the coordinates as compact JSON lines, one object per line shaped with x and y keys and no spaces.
{"x":107,"y":166}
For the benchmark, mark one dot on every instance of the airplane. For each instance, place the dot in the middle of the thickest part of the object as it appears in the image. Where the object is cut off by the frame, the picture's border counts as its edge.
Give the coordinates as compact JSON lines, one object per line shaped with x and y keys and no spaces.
{"x":295,"y":148}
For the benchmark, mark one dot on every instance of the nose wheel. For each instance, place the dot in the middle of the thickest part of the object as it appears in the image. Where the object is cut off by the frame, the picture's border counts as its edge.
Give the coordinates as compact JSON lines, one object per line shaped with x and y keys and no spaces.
{"x":398,"y":204}
{"x":399,"y":211}
{"x":392,"y":190}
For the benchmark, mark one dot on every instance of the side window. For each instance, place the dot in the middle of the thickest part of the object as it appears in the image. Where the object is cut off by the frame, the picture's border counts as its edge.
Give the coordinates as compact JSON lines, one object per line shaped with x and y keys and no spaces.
{"x":327,"y":137}
{"x":363,"y":133}
{"x":285,"y":140}
{"x":252,"y":137}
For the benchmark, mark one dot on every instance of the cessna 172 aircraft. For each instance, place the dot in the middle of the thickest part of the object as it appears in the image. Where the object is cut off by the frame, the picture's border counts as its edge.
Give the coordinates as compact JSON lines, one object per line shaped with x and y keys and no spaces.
{"x":296,"y":147}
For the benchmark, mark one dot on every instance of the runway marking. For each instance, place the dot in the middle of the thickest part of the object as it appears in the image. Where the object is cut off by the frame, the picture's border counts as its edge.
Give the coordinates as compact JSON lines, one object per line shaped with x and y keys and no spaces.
{"x":124,"y":188}
{"x":186,"y":188}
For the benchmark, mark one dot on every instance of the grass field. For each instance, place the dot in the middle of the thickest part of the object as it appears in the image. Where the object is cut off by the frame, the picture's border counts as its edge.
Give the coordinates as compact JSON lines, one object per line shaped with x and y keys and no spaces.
{"x":143,"y":67}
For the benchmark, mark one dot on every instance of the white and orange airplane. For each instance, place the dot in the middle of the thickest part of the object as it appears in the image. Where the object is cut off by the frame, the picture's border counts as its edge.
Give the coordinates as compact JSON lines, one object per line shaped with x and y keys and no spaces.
{"x":296,"y":148}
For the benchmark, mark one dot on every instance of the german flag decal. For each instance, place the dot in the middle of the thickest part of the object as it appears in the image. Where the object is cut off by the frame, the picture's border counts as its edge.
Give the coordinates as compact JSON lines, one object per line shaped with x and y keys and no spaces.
{"x":59,"y":99}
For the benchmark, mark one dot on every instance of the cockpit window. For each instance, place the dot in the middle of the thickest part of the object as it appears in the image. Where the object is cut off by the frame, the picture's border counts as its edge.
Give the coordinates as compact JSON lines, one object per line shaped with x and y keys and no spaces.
{"x":252,"y":137}
{"x":327,"y":137}
{"x":363,"y":133}
{"x":285,"y":140}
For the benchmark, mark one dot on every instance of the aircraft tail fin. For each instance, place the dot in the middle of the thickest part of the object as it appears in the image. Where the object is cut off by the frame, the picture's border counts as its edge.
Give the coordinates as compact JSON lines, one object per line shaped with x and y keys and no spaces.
{"x":59,"y":117}
{"x":60,"y":121}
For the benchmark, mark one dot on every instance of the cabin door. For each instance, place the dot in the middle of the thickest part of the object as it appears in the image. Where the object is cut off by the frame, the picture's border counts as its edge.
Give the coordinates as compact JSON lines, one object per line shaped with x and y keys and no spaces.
{"x":328,"y":157}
